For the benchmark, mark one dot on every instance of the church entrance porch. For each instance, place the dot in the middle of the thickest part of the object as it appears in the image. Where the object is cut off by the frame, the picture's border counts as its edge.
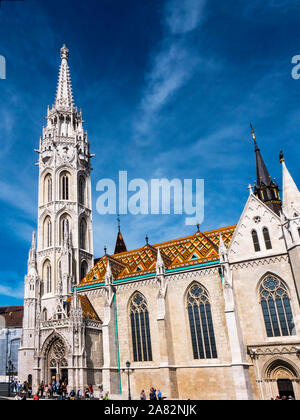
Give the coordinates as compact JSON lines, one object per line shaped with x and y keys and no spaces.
{"x":55,"y":360}
{"x":282,"y":379}
{"x":285,"y":388}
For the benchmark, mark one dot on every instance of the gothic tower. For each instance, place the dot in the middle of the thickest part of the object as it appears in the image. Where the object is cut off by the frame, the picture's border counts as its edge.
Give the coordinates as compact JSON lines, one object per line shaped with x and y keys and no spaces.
{"x":65,"y":241}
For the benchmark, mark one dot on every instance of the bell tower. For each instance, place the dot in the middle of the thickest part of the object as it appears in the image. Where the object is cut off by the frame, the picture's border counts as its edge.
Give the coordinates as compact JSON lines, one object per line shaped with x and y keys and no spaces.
{"x":65,"y":241}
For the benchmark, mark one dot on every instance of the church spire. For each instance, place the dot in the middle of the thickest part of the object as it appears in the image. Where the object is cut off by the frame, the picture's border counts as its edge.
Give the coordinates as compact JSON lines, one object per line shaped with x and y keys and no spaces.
{"x":120,"y":243}
{"x":290,"y":192}
{"x":265,"y":188}
{"x":64,"y":94}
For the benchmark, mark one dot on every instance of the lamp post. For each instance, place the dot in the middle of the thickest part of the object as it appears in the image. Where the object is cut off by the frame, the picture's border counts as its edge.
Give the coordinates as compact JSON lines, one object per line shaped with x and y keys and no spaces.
{"x":128,"y":371}
{"x":10,"y":370}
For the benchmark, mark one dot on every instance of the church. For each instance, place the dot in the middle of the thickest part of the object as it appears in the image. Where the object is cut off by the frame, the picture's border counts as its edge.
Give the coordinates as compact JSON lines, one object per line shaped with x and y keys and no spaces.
{"x":214,"y":315}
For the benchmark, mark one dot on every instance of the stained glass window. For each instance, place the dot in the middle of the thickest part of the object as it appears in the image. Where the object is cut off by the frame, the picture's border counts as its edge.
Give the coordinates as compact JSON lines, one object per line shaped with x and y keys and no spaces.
{"x":267,"y":238}
{"x":201,"y":324}
{"x":276,"y":308}
{"x":255,"y":241}
{"x":140,"y":329}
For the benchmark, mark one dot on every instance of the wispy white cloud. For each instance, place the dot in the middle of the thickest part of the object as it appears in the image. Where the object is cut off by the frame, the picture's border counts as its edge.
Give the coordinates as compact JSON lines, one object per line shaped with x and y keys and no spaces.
{"x":184,"y":16}
{"x":172,"y":66}
{"x":11,"y":284}
{"x":19,"y":196}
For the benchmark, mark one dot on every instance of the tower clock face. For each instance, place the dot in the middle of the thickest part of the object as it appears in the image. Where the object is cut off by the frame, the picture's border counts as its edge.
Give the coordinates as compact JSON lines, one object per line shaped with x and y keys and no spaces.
{"x":65,"y":153}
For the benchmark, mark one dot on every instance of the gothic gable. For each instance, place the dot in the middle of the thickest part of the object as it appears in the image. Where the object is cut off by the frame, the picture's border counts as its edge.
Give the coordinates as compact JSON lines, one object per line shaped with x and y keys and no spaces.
{"x":256,"y":223}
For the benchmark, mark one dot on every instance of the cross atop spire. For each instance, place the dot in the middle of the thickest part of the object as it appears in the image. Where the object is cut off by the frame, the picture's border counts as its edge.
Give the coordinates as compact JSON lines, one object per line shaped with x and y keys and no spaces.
{"x":120,"y":243}
{"x":64,"y":93}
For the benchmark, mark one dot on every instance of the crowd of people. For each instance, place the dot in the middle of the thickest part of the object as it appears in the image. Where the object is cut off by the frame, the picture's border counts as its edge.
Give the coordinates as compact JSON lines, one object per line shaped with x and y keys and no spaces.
{"x":153,"y":395}
{"x":55,"y":390}
{"x":284,"y":398}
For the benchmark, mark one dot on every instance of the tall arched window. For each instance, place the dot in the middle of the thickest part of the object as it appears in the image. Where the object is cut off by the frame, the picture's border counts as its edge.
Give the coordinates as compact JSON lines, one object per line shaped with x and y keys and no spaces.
{"x":44,"y":314}
{"x":83,"y":269}
{"x":201,"y":324}
{"x":267,"y":238}
{"x":64,"y":227}
{"x":48,"y":189}
{"x":83,"y":234}
{"x":81,"y":190}
{"x":276,"y":307}
{"x":255,"y":240}
{"x":64,"y":186}
{"x":140,"y":329}
{"x":47,"y":232}
{"x":47,"y":278}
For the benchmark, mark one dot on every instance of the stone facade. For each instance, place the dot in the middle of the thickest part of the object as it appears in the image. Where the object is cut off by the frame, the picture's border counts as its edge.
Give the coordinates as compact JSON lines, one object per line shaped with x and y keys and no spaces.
{"x":212,"y":316}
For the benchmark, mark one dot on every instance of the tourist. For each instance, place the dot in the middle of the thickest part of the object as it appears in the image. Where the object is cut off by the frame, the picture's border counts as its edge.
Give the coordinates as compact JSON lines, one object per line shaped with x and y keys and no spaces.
{"x":36,"y":397}
{"x":79,"y":395}
{"x":106,"y":396}
{"x":143,"y":395}
{"x":91,"y":391}
{"x":41,"y":389}
{"x":152,"y":394}
{"x":159,"y":396}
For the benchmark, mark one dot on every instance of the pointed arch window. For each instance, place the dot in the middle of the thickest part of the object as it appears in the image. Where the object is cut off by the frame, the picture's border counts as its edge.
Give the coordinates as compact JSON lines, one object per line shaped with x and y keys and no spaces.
{"x":48,"y":189}
{"x":255,"y":240}
{"x":83,"y":269}
{"x":44,"y":314}
{"x":47,"y":277}
{"x":64,"y":228}
{"x":267,"y":238}
{"x":201,"y":324}
{"x":82,"y":234}
{"x":140,"y":329}
{"x":276,"y":308}
{"x":47,"y":232}
{"x":81,"y":190}
{"x":64,"y":186}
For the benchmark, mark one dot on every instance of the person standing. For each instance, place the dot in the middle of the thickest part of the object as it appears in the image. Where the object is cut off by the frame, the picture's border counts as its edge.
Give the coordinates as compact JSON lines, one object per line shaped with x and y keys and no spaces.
{"x":143,"y":395}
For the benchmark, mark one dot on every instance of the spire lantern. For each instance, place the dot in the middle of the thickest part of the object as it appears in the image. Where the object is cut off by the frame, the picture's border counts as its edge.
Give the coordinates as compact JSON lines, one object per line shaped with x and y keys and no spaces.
{"x":64,"y":52}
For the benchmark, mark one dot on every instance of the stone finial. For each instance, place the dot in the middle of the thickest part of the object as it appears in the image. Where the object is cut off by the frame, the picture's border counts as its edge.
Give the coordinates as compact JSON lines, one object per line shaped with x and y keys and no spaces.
{"x":64,"y":52}
{"x":108,"y":274}
{"x":160,"y":265}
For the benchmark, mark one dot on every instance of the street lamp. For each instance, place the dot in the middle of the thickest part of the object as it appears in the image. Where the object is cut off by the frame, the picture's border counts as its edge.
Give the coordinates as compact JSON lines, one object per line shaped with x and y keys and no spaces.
{"x":10,"y":370}
{"x":128,"y":374}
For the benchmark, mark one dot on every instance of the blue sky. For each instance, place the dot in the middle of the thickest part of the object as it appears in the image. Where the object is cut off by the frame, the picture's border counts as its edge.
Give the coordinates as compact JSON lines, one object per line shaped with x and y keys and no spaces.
{"x":167,"y":88}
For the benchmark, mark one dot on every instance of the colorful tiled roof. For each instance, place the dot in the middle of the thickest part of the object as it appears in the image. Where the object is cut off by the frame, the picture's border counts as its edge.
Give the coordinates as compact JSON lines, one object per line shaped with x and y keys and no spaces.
{"x":183,"y":252}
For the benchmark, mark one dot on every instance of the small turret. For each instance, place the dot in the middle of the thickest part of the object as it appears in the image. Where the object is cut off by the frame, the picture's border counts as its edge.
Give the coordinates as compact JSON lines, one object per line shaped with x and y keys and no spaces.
{"x":120,"y":243}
